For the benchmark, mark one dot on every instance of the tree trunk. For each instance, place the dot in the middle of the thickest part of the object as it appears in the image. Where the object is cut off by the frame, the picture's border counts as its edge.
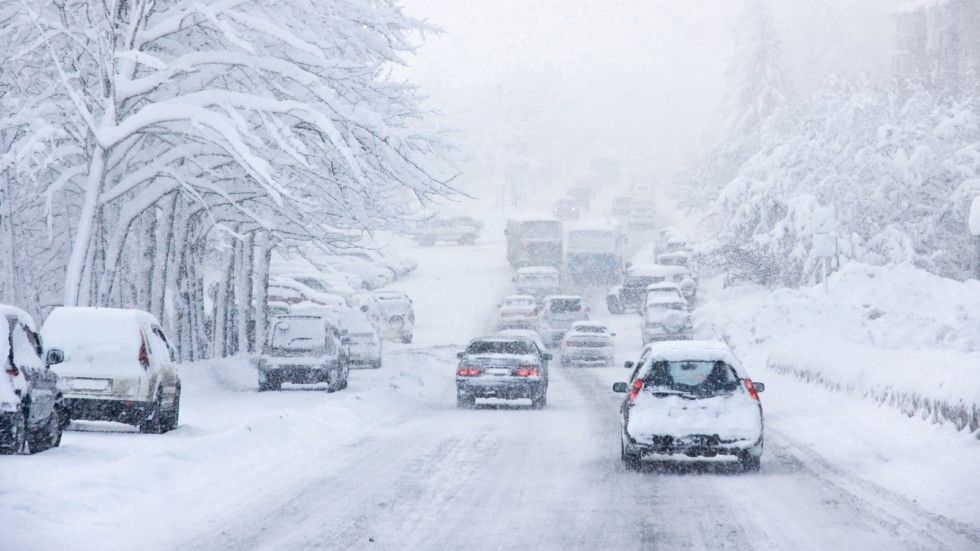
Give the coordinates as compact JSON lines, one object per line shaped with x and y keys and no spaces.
{"x":243,"y":293}
{"x":82,"y":244}
{"x":165,"y":219}
{"x":263,"y":256}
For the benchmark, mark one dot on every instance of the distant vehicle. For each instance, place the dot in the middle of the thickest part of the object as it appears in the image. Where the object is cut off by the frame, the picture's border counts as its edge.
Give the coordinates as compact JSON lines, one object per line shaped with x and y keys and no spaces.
{"x":537,"y":281}
{"x":566,"y":208}
{"x":631,"y":294}
{"x":665,"y":318}
{"x":118,"y":365}
{"x":664,"y":288}
{"x":557,"y":314}
{"x":32,"y":408}
{"x":392,"y":313}
{"x":331,"y":283}
{"x":364,"y":345}
{"x":502,"y":367}
{"x":594,"y":251}
{"x":306,"y":292}
{"x":582,"y":195}
{"x":587,"y":350}
{"x":691,"y":398}
{"x":303,"y":349}
{"x":460,"y":229}
{"x":371,"y":275}
{"x":517,"y":312}
{"x":590,"y":327}
{"x":621,"y":206}
{"x":642,"y":215}
{"x":534,"y":240}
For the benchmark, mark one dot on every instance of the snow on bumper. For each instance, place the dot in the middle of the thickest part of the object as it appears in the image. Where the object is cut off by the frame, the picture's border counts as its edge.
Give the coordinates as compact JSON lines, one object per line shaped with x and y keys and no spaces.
{"x":727,"y":424}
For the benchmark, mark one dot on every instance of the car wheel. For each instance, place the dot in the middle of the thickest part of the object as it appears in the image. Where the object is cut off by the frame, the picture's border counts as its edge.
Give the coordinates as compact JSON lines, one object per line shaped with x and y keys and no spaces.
{"x":376,"y":364}
{"x":540,"y":400}
{"x":749,"y":463}
{"x":406,"y":339}
{"x":19,"y":430}
{"x":152,"y":422}
{"x":630,"y":459}
{"x":465,"y":401}
{"x":170,"y":418}
{"x":46,"y":436}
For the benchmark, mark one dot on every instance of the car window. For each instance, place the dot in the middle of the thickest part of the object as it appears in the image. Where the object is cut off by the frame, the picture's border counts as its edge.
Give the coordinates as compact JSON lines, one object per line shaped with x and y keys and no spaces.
{"x":299,"y":334}
{"x":162,"y":343}
{"x":23,"y":347}
{"x":694,"y":376}
{"x":502,"y":347}
{"x":564,"y":306}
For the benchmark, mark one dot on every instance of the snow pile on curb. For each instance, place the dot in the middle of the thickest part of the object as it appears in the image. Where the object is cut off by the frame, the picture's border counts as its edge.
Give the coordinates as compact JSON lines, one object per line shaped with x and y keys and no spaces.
{"x":894,"y":334}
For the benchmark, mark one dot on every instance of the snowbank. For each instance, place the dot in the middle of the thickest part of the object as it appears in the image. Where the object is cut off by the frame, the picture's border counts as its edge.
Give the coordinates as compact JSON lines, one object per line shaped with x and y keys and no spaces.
{"x":896,"y":335}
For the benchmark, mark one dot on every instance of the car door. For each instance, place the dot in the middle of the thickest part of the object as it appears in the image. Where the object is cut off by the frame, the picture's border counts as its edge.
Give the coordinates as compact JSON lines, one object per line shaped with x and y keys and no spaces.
{"x":41,"y":381}
{"x":164,"y":358}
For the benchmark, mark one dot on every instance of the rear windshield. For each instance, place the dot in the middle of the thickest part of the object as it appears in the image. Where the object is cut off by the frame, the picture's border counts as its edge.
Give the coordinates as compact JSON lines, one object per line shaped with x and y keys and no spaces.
{"x":693,"y":376}
{"x":501,"y":347}
{"x":590,"y":329}
{"x":589,"y":342}
{"x":540,"y":229}
{"x":300,"y":333}
{"x":561,"y":306}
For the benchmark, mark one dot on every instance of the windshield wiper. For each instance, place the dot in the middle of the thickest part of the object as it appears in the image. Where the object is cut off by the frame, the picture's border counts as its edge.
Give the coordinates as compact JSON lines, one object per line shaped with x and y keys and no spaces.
{"x":672,"y":392}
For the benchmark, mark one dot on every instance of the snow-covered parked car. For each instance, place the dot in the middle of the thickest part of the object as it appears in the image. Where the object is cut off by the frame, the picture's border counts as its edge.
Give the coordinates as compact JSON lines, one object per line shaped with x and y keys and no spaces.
{"x":400,"y":266}
{"x":557,"y":314}
{"x":632,"y":293}
{"x":591,"y":327}
{"x":664,"y":288}
{"x":502,"y":367}
{"x":118,"y":365}
{"x":460,"y":229}
{"x":691,"y":398}
{"x":517,"y":312}
{"x":371,"y":275}
{"x":303,"y":349}
{"x":308,"y":293}
{"x":392,"y":313}
{"x":666,"y":318}
{"x":537,"y":281}
{"x":329,"y":282}
{"x":31,"y":405}
{"x":363,"y":344}
{"x":582,"y":349}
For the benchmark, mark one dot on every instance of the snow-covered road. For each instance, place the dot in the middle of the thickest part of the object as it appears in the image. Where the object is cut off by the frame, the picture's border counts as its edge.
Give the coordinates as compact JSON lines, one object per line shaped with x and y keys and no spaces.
{"x":392,"y":464}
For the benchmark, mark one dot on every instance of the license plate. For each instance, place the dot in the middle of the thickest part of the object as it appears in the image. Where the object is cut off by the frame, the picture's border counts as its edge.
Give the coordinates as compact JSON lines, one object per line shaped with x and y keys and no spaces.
{"x":89,"y":384}
{"x":498,"y":372}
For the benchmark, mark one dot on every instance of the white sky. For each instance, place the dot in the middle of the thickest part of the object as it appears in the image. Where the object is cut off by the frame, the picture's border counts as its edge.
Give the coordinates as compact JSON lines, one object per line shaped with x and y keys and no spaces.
{"x":537,"y":87}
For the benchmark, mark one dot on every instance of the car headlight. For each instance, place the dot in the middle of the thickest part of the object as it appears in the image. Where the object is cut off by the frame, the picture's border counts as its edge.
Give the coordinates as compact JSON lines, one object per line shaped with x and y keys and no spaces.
{"x":9,"y":407}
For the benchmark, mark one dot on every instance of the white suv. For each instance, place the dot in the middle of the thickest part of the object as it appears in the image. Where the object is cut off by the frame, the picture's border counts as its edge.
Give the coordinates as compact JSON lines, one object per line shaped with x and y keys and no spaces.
{"x":118,"y":366}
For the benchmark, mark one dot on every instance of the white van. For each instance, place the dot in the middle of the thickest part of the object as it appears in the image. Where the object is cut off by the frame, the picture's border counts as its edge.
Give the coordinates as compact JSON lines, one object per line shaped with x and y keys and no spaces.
{"x":118,"y":366}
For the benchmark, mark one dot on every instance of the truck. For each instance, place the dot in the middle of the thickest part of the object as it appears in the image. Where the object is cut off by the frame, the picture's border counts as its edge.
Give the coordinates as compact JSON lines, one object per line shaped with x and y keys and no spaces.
{"x":594,"y":251}
{"x":534,"y":240}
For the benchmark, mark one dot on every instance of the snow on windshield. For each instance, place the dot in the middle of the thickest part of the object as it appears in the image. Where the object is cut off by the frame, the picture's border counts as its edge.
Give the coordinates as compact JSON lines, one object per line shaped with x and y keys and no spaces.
{"x":501,"y":347}
{"x":300,"y":333}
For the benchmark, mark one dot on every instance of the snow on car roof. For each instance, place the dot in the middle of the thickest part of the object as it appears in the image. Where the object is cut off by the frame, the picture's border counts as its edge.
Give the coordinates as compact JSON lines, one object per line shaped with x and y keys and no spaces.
{"x":663,"y":285}
{"x":656,"y":270}
{"x":674,"y":351}
{"x":518,"y":297}
{"x":663,"y":298}
{"x":537,"y":270}
{"x":587,"y":323}
{"x":594,"y":224}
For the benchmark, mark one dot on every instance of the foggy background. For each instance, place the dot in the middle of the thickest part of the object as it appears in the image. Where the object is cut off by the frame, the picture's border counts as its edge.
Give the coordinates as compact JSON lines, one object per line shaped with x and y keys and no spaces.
{"x":536,"y":89}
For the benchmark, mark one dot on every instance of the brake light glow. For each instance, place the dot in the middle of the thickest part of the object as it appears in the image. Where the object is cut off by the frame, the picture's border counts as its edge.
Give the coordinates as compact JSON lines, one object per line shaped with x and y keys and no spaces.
{"x":751,"y":388}
{"x":144,"y":356}
{"x":635,"y":391}
{"x":526,"y":371}
{"x":467,"y":371}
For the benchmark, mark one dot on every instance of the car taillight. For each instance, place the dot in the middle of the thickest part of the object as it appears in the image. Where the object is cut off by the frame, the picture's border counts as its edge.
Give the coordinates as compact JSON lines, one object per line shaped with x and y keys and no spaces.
{"x":635,"y":391}
{"x":526,"y":371}
{"x":144,"y":356}
{"x":467,"y":371}
{"x":13,"y":371}
{"x":751,"y":388}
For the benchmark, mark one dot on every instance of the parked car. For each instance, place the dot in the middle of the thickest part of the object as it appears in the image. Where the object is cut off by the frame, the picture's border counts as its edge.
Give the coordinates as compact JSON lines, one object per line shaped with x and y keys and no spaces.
{"x":691,"y":398}
{"x":399,"y":265}
{"x":631,"y":294}
{"x":517,"y":312}
{"x":579,"y":349}
{"x":308,"y":293}
{"x":371,"y":275}
{"x":537,"y":281}
{"x":664,"y":288}
{"x":332,"y":283}
{"x":557,"y":314}
{"x":642,"y":215}
{"x":502,"y":367}
{"x":666,"y":318}
{"x":364,"y":344}
{"x":459,"y":229}
{"x":32,"y":408}
{"x":303,"y":349}
{"x":118,"y":365}
{"x":392,"y":313}
{"x":621,"y":206}
{"x":566,"y":208}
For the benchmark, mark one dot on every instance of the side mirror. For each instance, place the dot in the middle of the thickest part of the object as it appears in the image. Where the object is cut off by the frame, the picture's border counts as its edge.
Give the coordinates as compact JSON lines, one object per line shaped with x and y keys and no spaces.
{"x":629,"y":365}
{"x":759,"y":387}
{"x":54,"y":356}
{"x":621,"y":388}
{"x":460,"y":355}
{"x":547,"y":357}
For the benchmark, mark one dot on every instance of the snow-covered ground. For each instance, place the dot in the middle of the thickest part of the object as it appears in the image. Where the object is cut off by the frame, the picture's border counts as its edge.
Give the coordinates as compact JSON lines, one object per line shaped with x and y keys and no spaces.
{"x":391,"y":463}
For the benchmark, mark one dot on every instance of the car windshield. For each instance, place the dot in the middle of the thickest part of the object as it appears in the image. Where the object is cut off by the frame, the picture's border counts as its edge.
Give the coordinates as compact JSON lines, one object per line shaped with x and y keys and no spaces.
{"x":702,"y":377}
{"x":566,"y":305}
{"x":581,"y":341}
{"x":641,"y":281}
{"x":300,"y":334}
{"x":537,"y":279}
{"x":501,"y":347}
